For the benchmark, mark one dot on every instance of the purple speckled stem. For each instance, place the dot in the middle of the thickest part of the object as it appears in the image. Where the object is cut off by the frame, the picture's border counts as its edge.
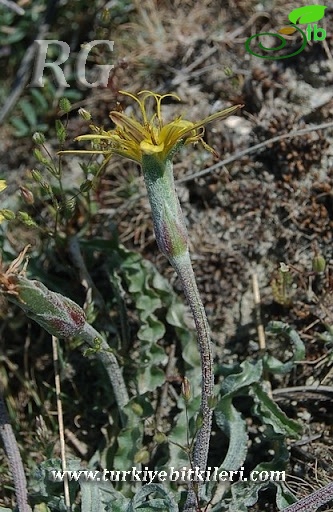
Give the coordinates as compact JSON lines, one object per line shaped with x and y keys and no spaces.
{"x":14,"y":458}
{"x":183,"y":267}
{"x":313,"y":501}
{"x":172,"y":239}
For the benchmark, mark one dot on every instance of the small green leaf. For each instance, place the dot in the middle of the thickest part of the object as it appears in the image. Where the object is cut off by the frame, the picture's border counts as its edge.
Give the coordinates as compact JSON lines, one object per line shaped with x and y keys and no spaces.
{"x":284,"y":498}
{"x":129,"y":443}
{"x":61,"y":131}
{"x":307,"y":14}
{"x":117,"y":502}
{"x":22,"y":129}
{"x":65,"y":105}
{"x":248,"y":374}
{"x":39,"y":99}
{"x":153,"y":330}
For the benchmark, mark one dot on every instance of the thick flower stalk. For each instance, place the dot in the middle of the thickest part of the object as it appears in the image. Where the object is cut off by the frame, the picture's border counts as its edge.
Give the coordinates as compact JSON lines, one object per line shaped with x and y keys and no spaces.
{"x":152,"y":144}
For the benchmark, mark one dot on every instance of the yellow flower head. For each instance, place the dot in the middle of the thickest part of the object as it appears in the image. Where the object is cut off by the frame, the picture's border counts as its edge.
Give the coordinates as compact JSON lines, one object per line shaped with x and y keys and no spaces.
{"x":149,"y":136}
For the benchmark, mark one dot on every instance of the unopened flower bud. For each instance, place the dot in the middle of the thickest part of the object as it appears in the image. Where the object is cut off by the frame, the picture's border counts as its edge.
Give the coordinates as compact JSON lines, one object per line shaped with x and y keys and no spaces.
{"x":142,"y":456}
{"x":318,"y":263}
{"x":212,"y":401}
{"x":7,"y":214}
{"x":199,"y":421}
{"x":186,"y":389}
{"x":36,"y":176}
{"x":84,"y":114}
{"x":27,"y":195}
{"x":57,"y":314}
{"x":26,"y":219}
{"x":137,"y":409}
{"x":160,"y":438}
{"x":38,"y":138}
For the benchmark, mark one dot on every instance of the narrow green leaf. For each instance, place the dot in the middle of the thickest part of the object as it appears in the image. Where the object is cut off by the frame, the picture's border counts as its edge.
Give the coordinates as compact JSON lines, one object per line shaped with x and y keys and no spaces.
{"x":60,"y":131}
{"x":39,"y":98}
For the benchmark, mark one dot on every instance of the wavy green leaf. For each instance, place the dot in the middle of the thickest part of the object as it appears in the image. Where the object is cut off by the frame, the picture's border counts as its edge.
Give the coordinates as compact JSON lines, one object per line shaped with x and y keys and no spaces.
{"x":165,"y":502}
{"x":229,"y":420}
{"x":271,"y":414}
{"x":273,"y":364}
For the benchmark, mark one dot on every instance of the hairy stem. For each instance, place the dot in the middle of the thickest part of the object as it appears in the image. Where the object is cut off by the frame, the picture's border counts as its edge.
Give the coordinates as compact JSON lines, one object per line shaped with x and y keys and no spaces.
{"x":313,"y":501}
{"x":14,"y":458}
{"x":183,"y":267}
{"x":172,"y":239}
{"x":92,"y":338}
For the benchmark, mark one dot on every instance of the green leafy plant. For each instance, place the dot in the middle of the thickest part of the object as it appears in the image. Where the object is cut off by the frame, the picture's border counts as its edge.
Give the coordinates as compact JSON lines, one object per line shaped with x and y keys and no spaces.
{"x":133,"y":325}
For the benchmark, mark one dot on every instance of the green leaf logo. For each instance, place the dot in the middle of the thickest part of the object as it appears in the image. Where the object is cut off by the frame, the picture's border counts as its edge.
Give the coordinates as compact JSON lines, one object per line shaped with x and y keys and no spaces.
{"x":307,"y":14}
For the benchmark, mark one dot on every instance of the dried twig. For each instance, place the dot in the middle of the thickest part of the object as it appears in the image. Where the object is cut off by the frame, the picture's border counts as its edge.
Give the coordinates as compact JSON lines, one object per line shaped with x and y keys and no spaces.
{"x":260,"y":327}
{"x":60,"y":420}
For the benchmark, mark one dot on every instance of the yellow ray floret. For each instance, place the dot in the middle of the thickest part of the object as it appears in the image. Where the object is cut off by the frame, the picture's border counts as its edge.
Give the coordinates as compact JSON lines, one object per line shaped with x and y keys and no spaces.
{"x":134,"y":138}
